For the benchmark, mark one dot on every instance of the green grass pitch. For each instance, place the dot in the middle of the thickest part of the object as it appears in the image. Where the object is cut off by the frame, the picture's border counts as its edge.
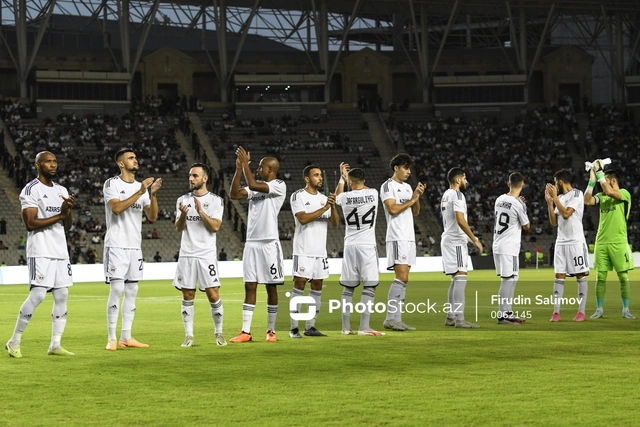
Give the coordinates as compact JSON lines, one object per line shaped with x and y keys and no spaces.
{"x":536,"y":373}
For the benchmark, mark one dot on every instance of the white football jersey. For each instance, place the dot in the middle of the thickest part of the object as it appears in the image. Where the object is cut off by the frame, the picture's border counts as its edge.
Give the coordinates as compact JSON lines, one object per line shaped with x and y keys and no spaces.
{"x":196,"y":240}
{"x":453,"y":201}
{"x":310,"y":239}
{"x":263,"y":211}
{"x":570,"y":230}
{"x":124,"y":230}
{"x":511,"y":215}
{"x":46,"y":242}
{"x":360,"y":209}
{"x":400,"y":226}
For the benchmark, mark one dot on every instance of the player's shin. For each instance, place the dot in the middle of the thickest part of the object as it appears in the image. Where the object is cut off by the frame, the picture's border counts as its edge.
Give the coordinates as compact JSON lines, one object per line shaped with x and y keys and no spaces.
{"x":217,"y":313}
{"x":583,"y":288}
{"x":187,"y":317}
{"x":460,"y":284}
{"x":113,"y":306}
{"x":58,"y":315}
{"x":347,"y":308}
{"x":625,"y":290}
{"x":317,"y":297}
{"x":368,"y":295}
{"x":295,"y":293}
{"x":558,"y":292}
{"x":36,"y":296}
{"x":128,"y":309}
{"x":601,"y":287}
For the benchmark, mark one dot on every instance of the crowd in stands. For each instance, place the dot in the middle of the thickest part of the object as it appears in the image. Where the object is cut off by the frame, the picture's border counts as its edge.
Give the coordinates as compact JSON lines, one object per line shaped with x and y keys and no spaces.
{"x":85,"y":146}
{"x":488,"y":151}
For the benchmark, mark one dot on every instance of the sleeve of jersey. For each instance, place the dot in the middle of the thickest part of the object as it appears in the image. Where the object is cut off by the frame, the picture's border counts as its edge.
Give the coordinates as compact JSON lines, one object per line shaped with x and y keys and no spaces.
{"x":110,"y":193}
{"x":385,"y":194}
{"x":277,"y":187}
{"x":296,"y":204}
{"x":28,"y":200}
{"x":459,"y":205}
{"x":178,"y":212}
{"x":598,"y":198}
{"x":574,"y":202}
{"x":522,"y":216}
{"x":145,"y":199}
{"x":249,"y":192}
{"x":217,"y":210}
{"x":340,"y":199}
{"x":626,"y":196}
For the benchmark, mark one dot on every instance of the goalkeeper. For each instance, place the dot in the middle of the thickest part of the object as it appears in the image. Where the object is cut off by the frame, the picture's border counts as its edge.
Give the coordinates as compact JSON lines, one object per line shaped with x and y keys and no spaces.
{"x":612,"y":246}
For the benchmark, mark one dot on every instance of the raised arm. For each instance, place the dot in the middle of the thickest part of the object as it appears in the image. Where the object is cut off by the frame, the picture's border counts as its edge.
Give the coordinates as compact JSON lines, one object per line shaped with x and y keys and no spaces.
{"x":118,"y":206}
{"x":251,"y":181}
{"x":236,"y":192}
{"x":151,"y":210}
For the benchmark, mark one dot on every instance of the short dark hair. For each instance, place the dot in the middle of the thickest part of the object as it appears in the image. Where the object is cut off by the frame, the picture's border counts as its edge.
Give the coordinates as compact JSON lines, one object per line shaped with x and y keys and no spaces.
{"x":401,"y":159}
{"x":307,"y":170}
{"x":564,"y":175}
{"x":205,"y":168}
{"x":516,"y":179}
{"x":356,"y":175}
{"x":122,"y":152}
{"x":453,"y":174}
{"x":613,"y":173}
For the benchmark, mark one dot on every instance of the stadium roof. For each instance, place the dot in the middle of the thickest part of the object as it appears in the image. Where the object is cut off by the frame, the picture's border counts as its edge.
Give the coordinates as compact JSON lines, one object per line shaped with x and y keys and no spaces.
{"x":438,"y":8}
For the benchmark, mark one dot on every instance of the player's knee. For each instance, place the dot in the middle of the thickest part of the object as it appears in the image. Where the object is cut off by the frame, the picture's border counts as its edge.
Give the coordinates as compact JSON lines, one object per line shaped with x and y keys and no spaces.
{"x":60,"y":295}
{"x":623,"y":276}
{"x":188,"y":294}
{"x":37,"y":295}
{"x":371,"y":289}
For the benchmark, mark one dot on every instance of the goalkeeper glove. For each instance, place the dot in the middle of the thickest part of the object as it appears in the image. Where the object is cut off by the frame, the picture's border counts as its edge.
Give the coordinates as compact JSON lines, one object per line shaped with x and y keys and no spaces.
{"x":598,"y":166}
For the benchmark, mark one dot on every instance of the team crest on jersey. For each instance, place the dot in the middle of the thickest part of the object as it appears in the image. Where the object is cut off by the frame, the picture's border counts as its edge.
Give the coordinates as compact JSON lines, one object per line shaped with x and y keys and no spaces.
{"x":301,"y":269}
{"x":112,"y":270}
{"x":40,"y":278}
{"x":180,"y":278}
{"x":404,"y":257}
{"x":205,"y":205}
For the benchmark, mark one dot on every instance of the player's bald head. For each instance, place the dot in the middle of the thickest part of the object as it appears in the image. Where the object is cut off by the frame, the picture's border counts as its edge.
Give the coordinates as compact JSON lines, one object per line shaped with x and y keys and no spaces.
{"x":271,"y":162}
{"x":41,"y":156}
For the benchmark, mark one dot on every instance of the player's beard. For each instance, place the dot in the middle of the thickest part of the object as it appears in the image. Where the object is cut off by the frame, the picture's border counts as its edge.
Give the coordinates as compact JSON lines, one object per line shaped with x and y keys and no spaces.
{"x":463,"y":187}
{"x":196,"y":187}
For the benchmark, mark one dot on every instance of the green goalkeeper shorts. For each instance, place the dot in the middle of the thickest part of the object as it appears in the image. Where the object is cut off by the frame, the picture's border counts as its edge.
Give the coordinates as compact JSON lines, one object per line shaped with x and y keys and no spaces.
{"x":609,"y":256}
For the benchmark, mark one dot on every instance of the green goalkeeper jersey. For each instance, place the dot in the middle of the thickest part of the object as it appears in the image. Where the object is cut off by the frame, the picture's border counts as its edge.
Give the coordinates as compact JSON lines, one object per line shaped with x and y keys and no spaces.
{"x":613,"y":218}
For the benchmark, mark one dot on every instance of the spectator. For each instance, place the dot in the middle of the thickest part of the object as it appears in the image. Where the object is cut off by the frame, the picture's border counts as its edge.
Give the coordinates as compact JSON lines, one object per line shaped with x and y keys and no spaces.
{"x":222,"y":256}
{"x":334,"y":253}
{"x":3,"y":246}
{"x":91,"y":255}
{"x":157,"y":257}
{"x":154,"y":234}
{"x":22,"y":261}
{"x":95,"y":239}
{"x":3,"y":225}
{"x":21,"y":243}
